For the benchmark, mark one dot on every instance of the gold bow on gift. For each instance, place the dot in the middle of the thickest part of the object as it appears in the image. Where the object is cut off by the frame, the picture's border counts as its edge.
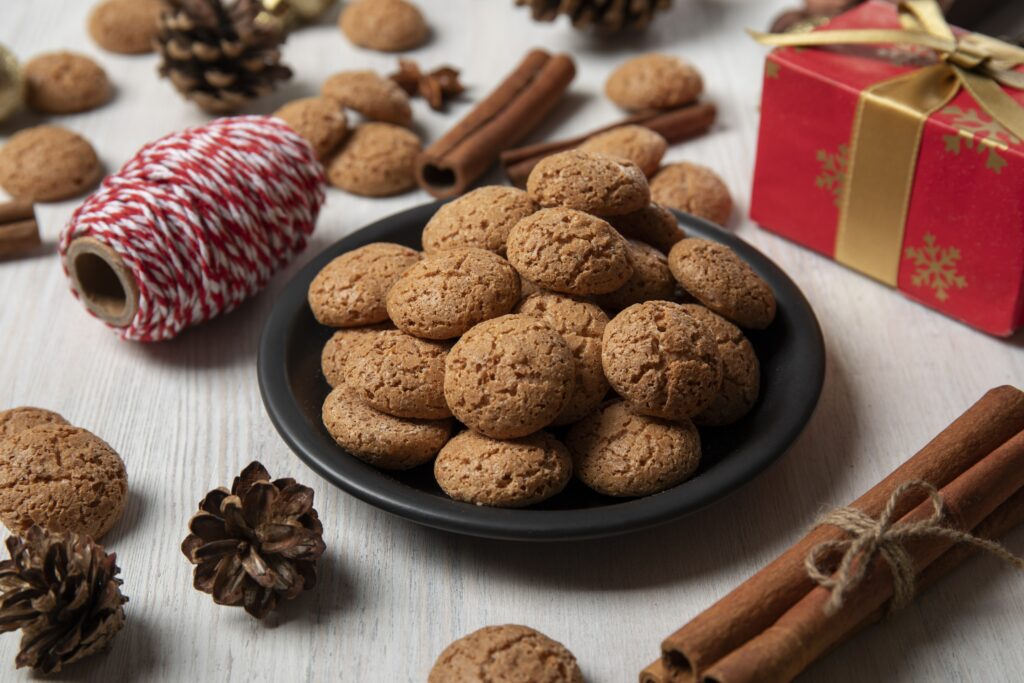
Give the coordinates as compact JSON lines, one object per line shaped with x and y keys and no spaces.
{"x":890,"y":120}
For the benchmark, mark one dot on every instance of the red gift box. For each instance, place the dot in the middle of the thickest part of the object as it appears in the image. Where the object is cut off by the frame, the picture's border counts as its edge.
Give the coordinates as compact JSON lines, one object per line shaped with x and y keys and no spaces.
{"x":950,"y":235}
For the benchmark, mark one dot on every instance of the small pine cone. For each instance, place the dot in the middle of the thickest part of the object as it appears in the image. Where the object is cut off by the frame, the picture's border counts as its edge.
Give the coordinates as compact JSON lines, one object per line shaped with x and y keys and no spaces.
{"x":256,"y":543}
{"x":62,"y":591}
{"x":606,"y":16}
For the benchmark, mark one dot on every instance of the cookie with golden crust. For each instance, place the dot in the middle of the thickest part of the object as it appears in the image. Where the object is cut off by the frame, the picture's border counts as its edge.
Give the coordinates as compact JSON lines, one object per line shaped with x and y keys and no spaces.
{"x":318,"y":120}
{"x":505,"y":654}
{"x":641,"y":145}
{"x":385,"y":25}
{"x":595,"y":183}
{"x":367,"y":92}
{"x":651,"y":280}
{"x":48,"y":163}
{"x":343,"y":345}
{"x":482,"y":218}
{"x":400,"y":375}
{"x":351,"y":290}
{"x":693,"y":189}
{"x":654,"y":225}
{"x":65,"y":83}
{"x":17,"y":420}
{"x":126,"y":26}
{"x":377,"y":160}
{"x":653,"y":81}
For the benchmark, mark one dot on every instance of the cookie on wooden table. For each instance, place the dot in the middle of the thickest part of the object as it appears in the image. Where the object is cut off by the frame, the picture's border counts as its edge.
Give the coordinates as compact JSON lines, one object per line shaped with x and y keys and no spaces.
{"x":342,"y":345}
{"x":619,"y":452}
{"x":654,"y":225}
{"x":48,"y":163}
{"x":477,"y":469}
{"x":653,"y":81}
{"x":400,"y":375}
{"x":351,"y":290}
{"x":694,"y":189}
{"x":641,"y":145}
{"x":595,"y":183}
{"x":714,"y":275}
{"x":651,"y":280}
{"x":367,"y":92}
{"x":126,"y":26}
{"x":376,"y":161}
{"x":319,"y":121}
{"x":385,"y":25}
{"x":481,"y":218}
{"x":508,"y":653}
{"x":16,"y":420}
{"x":660,"y":359}
{"x":65,"y":83}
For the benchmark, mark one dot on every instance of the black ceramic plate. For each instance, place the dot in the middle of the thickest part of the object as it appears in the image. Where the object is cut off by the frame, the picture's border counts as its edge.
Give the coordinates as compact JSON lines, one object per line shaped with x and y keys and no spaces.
{"x":792,"y":358}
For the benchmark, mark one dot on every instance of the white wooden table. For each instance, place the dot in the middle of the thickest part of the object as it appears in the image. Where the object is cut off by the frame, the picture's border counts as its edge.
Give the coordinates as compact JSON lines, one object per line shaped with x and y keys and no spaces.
{"x":187,"y":415}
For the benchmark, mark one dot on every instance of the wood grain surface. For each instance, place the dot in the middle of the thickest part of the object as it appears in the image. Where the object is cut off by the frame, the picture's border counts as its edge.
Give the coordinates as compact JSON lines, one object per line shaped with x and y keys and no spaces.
{"x":186,"y":415}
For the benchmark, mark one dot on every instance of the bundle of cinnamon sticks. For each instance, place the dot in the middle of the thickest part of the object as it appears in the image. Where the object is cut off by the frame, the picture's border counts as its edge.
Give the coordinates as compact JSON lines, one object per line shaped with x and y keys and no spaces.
{"x":772,"y":627}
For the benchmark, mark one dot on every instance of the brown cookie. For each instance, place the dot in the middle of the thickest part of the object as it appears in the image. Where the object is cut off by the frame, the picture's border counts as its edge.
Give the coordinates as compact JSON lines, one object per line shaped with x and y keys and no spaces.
{"x":653,"y":224}
{"x":385,"y":25}
{"x":597,"y":184}
{"x":651,"y":280}
{"x":619,"y":452}
{"x":660,"y":359}
{"x":653,"y":81}
{"x":482,"y":218}
{"x":343,"y":345}
{"x":367,"y":92}
{"x":451,"y":291}
{"x":17,"y":420}
{"x":569,"y":251}
{"x":505,"y":654}
{"x":126,"y":26}
{"x":400,"y":375}
{"x":477,"y":469}
{"x":376,"y":161}
{"x":694,"y":189}
{"x":643,"y":146}
{"x":65,"y":83}
{"x":379,"y":439}
{"x":62,"y":478}
{"x":741,"y":372}
{"x":318,"y":120}
{"x":581,"y":325}
{"x":350,"y":290}
{"x":48,"y":163}
{"x":509,"y":377}
{"x":714,"y":275}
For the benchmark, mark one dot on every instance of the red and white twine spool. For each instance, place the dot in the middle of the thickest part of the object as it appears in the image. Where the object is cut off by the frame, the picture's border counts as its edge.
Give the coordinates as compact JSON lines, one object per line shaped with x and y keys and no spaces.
{"x":203,"y":218}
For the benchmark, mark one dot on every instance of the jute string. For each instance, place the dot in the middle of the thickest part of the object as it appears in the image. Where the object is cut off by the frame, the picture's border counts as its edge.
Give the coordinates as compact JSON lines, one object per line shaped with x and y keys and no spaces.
{"x":885,"y":537}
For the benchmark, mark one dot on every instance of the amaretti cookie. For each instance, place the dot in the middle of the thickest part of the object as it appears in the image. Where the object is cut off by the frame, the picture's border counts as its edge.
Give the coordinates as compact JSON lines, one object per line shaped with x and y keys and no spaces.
{"x":367,"y":92}
{"x":694,"y":189}
{"x":741,"y":371}
{"x":506,"y":654}
{"x":385,"y":25}
{"x":581,"y":324}
{"x":619,"y":452}
{"x":651,"y":279}
{"x":376,"y":161}
{"x":714,"y":275}
{"x":643,"y":146}
{"x":126,"y":26}
{"x":661,"y":360}
{"x":62,"y":478}
{"x":351,"y":290}
{"x":481,"y":218}
{"x":451,"y":291}
{"x":65,"y":83}
{"x":379,"y":439}
{"x":569,"y":251}
{"x":400,"y":375}
{"x":320,"y":121}
{"x":17,"y":420}
{"x":654,"y":225}
{"x":477,"y":469}
{"x":48,"y":163}
{"x":653,"y":81}
{"x":595,"y":183}
{"x":342,"y":345}
{"x":509,"y":377}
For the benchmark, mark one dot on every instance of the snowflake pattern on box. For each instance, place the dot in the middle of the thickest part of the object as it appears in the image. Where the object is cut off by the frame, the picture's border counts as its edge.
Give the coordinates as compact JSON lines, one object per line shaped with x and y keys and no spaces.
{"x":833,"y":171}
{"x":935,"y":267}
{"x":980,"y":134}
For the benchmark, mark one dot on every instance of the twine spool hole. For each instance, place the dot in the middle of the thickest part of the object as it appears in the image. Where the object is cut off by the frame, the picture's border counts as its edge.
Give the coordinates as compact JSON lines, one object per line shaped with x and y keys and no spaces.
{"x":103,"y":281}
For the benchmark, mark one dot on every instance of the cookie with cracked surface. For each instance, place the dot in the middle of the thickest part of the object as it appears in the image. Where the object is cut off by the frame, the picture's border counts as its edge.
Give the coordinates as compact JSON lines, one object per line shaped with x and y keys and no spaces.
{"x":477,"y":469}
{"x":449,"y":292}
{"x":741,"y":371}
{"x":643,"y":146}
{"x":16,"y":420}
{"x":715,"y":276}
{"x":62,"y":478}
{"x":651,"y":280}
{"x":506,"y":654}
{"x":318,"y":120}
{"x":126,"y":26}
{"x":661,"y":360}
{"x":401,"y":375}
{"x":694,"y":189}
{"x":482,"y":218}
{"x":581,"y":324}
{"x":367,"y":92}
{"x":569,"y":251}
{"x":48,"y":163}
{"x":653,"y":224}
{"x":509,"y":377}
{"x":351,"y":290}
{"x":345,"y":344}
{"x":653,"y":81}
{"x":65,"y":83}
{"x":595,"y":183}
{"x":619,"y":452}
{"x":379,"y":439}
{"x":376,"y":161}
{"x":384,"y":25}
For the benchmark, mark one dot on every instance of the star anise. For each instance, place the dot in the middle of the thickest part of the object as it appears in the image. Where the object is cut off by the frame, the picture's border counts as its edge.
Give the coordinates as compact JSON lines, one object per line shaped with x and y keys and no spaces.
{"x":435,"y":87}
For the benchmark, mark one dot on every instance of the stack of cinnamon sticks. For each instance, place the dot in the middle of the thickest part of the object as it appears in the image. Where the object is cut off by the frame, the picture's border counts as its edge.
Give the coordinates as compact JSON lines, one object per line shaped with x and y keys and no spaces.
{"x":772,"y":627}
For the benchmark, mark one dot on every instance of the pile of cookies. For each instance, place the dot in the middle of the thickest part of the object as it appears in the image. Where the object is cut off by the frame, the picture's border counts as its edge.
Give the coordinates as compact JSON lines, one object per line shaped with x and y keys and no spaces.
{"x":571,"y":329}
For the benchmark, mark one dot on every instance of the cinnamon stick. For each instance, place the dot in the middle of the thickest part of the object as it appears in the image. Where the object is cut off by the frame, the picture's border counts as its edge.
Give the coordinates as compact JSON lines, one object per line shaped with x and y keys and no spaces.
{"x":806,"y":631}
{"x":757,"y":604}
{"x":19,"y":231}
{"x":514,"y":109}
{"x":674,"y":125}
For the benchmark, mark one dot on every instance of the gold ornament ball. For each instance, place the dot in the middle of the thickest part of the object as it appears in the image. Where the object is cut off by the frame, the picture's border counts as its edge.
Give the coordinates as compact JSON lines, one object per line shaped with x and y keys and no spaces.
{"x":291,"y":13}
{"x":11,"y":85}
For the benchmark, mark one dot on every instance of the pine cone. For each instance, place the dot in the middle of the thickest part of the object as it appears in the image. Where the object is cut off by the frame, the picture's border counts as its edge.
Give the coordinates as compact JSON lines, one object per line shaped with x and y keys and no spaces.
{"x":607,"y":16}
{"x":62,"y":591}
{"x":218,"y":55}
{"x":256,"y":543}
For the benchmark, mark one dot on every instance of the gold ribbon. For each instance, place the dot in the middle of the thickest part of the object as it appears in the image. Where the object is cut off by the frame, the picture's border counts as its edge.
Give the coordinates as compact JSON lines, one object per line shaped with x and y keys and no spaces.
{"x":890,"y":120}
